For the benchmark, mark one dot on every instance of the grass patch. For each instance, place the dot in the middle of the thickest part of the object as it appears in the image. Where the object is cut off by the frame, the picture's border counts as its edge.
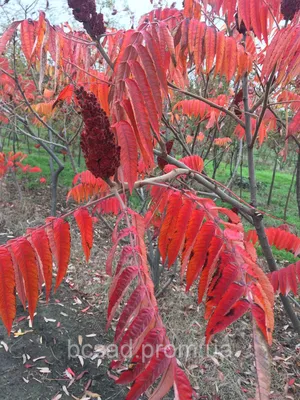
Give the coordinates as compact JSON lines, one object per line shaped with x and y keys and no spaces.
{"x":281,"y":256}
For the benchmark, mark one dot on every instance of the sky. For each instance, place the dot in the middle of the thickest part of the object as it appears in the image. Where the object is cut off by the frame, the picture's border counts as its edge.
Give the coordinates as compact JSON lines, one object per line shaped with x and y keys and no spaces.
{"x":58,"y":10}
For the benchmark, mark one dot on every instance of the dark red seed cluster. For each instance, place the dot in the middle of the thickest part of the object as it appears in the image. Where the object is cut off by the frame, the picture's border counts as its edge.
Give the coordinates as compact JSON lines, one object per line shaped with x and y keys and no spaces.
{"x":85,"y":11}
{"x":289,"y":8}
{"x":101,"y":153}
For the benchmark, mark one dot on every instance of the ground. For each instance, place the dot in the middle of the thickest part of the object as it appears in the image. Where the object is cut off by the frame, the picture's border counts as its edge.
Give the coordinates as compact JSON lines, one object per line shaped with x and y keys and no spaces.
{"x":34,"y":362}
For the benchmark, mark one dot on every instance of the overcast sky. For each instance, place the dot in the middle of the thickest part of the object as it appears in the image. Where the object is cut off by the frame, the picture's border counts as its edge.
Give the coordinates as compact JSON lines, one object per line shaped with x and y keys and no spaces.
{"x":58,"y":10}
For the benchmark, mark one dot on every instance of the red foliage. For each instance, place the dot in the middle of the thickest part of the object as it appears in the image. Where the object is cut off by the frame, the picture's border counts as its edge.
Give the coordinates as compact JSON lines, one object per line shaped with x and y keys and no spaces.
{"x":13,"y":161}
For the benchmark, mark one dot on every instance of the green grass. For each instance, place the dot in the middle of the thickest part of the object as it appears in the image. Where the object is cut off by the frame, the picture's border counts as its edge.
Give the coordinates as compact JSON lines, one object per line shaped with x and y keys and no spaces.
{"x":280,"y":255}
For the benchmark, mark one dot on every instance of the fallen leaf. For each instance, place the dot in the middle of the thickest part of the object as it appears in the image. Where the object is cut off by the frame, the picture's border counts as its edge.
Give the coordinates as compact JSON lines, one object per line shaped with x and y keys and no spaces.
{"x":20,"y":333}
{"x":39,"y":358}
{"x":93,"y":395}
{"x":49,"y":320}
{"x":57,"y":397}
{"x":81,"y":360}
{"x":44,"y":370}
{"x":4,"y":345}
{"x":69,"y":373}
{"x":81,"y":375}
{"x":66,"y":390}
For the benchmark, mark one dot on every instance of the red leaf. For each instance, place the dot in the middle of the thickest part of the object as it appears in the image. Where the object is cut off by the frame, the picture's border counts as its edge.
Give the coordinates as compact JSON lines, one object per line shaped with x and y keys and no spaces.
{"x":169,"y":224}
{"x":60,"y":242}
{"x":26,"y":260}
{"x":152,"y":77}
{"x":244,"y":13}
{"x":165,"y":384}
{"x":238,"y":310}
{"x":220,"y":51}
{"x":210,"y":266}
{"x":146,"y":351}
{"x":167,"y":40}
{"x":137,"y":328}
{"x":41,"y":244}
{"x":210,"y":47}
{"x":7,"y":35}
{"x":230,"y":58}
{"x":199,"y":252}
{"x":199,"y":46}
{"x":85,"y":224}
{"x":133,"y":303}
{"x":153,"y":65}
{"x":129,"y":152}
{"x":182,"y":386}
{"x":123,"y":282}
{"x":18,"y":278}
{"x":7,"y":290}
{"x":255,"y":11}
{"x":34,"y":169}
{"x":157,"y":366}
{"x":141,"y":80}
{"x":140,"y":112}
{"x":65,"y":94}
{"x":27,"y":37}
{"x":177,"y":237}
{"x":194,"y":225}
{"x":230,"y":297}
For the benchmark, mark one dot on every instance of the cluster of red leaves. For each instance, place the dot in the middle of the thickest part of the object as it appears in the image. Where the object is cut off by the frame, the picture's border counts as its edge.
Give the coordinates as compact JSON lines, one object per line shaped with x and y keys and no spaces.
{"x":280,"y":238}
{"x":27,"y":262}
{"x":140,"y":323}
{"x":86,"y":12}
{"x":220,"y":262}
{"x":286,"y":279}
{"x":13,"y":161}
{"x":102,"y":155}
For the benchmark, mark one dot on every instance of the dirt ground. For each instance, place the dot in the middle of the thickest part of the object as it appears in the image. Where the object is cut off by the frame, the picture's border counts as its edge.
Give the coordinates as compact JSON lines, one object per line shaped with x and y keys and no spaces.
{"x":35,"y":362}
